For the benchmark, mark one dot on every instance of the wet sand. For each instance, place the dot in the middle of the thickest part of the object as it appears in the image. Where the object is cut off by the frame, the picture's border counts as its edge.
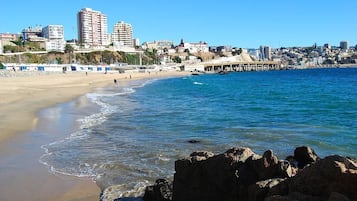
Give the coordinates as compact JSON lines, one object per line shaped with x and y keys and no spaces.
{"x":22,"y":177}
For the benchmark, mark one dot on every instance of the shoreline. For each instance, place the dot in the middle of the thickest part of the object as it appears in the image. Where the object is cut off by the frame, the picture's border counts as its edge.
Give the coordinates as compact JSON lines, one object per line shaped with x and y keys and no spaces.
{"x":23,"y":96}
{"x":21,"y":99}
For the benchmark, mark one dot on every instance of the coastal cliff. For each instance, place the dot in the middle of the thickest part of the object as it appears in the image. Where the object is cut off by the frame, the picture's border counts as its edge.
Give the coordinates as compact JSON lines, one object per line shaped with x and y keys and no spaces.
{"x":240,"y":174}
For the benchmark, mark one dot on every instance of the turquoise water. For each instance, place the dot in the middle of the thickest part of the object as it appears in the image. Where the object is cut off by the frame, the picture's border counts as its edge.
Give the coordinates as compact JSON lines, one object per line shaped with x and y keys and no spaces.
{"x":140,"y":129}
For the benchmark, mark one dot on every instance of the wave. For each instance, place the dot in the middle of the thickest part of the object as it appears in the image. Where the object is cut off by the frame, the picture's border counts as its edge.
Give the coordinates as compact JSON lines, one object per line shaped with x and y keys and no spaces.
{"x":102,"y":98}
{"x":137,"y":189}
{"x":198,"y":83}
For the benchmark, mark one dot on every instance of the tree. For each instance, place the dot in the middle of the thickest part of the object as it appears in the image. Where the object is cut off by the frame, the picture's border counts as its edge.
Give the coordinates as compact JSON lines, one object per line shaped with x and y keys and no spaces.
{"x":69,"y":50}
{"x":9,"y":48}
{"x":176,"y":59}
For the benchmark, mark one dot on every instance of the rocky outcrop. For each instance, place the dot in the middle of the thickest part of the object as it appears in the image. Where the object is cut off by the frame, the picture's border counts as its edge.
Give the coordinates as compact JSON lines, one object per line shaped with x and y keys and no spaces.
{"x":204,"y":176}
{"x":326,"y":176}
{"x":227,"y":176}
{"x":240,"y":174}
{"x":160,"y":191}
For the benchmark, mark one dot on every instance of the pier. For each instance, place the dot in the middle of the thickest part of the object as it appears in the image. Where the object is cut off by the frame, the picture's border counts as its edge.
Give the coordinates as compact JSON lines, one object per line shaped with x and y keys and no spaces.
{"x":242,"y":66}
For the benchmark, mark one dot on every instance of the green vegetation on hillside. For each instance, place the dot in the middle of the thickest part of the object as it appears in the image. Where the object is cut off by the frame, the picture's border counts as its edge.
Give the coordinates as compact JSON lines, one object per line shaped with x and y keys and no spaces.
{"x":92,"y":58}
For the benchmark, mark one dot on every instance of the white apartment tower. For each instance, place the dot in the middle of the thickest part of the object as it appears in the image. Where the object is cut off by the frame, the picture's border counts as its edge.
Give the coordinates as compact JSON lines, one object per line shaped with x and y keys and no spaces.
{"x":55,"y":37}
{"x":92,"y":27}
{"x":123,"y":33}
{"x":265,"y":52}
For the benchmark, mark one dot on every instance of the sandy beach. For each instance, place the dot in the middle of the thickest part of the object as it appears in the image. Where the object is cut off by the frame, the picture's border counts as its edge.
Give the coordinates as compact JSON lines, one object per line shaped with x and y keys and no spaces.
{"x":22,"y":96}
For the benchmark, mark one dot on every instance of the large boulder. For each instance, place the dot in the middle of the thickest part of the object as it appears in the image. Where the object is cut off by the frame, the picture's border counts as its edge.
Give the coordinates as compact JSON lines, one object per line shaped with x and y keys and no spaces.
{"x":325,"y":176}
{"x":206,"y":177}
{"x":257,"y":168}
{"x":305,"y":156}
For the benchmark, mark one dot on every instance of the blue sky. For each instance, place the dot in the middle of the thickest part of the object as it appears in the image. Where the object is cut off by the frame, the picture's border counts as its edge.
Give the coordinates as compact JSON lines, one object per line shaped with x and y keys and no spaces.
{"x":247,"y":24}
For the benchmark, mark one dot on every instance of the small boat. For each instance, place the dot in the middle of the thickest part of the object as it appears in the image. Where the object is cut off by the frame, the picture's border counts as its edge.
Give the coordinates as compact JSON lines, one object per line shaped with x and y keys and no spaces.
{"x":223,"y":72}
{"x":197,"y":73}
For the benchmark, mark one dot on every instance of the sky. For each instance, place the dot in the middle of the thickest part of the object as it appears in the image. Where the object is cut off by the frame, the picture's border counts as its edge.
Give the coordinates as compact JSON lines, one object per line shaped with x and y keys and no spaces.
{"x":239,"y":23}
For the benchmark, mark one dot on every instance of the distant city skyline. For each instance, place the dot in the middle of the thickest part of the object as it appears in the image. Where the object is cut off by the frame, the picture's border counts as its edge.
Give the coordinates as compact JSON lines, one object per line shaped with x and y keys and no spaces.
{"x":238,"y":23}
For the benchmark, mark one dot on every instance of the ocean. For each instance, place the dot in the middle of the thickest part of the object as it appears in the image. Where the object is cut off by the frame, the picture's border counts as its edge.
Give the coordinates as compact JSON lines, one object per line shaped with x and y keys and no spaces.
{"x":130,"y":134}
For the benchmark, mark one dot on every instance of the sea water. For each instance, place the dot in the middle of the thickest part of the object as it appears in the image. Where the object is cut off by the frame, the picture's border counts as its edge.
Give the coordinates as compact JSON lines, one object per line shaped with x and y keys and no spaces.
{"x":135,"y":132}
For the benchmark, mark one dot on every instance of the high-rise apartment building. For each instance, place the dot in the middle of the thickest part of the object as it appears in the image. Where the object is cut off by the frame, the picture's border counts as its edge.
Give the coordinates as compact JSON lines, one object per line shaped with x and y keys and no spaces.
{"x":123,"y":33}
{"x":344,"y":45}
{"x":55,"y":37}
{"x":92,"y":27}
{"x":265,"y":52}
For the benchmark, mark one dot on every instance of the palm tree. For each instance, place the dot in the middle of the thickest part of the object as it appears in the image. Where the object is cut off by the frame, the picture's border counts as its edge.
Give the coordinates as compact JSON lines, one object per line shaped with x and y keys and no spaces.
{"x":69,"y":49}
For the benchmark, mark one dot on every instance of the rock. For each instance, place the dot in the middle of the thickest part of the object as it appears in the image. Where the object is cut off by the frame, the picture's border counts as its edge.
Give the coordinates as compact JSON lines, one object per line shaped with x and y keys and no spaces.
{"x":160,"y":191}
{"x":268,"y":166}
{"x":193,"y":141}
{"x":277,"y":198}
{"x":328,"y":175}
{"x":119,"y":193}
{"x":305,"y":156}
{"x":285,"y":169}
{"x":337,"y":197}
{"x":204,"y":177}
{"x":263,"y":168}
{"x":200,"y":156}
{"x":241,"y":175}
{"x":297,"y":196}
{"x":239,"y":154}
{"x":292,"y":161}
{"x":259,"y":190}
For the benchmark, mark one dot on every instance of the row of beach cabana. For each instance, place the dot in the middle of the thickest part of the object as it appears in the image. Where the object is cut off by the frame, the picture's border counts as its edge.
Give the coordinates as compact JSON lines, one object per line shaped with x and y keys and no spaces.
{"x":61,"y":67}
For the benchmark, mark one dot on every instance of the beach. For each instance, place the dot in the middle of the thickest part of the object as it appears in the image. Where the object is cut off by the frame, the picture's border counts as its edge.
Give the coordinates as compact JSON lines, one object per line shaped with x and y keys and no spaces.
{"x":22,"y":96}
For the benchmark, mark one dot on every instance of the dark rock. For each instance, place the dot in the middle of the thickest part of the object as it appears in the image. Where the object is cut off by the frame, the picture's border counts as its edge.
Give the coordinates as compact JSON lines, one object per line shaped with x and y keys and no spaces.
{"x":193,"y":141}
{"x":337,"y":197}
{"x":259,"y":190}
{"x":160,"y":191}
{"x":239,"y":154}
{"x":294,"y":196}
{"x":285,"y":169}
{"x":241,"y":175}
{"x":263,"y":168}
{"x":328,"y":175}
{"x":268,"y":166}
{"x":292,"y":161}
{"x":277,"y":198}
{"x":200,"y":156}
{"x":305,"y":156}
{"x":297,"y":196}
{"x":206,"y":177}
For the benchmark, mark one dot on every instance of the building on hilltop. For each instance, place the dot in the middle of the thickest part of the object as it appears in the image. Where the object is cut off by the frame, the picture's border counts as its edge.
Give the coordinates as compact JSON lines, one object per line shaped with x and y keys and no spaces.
{"x":200,"y":47}
{"x":158,"y":45}
{"x":265,"y":52}
{"x":33,"y":34}
{"x":6,"y":38}
{"x":344,"y":45}
{"x":92,"y":28}
{"x":55,"y":37}
{"x":123,"y":34}
{"x":327,"y":46}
